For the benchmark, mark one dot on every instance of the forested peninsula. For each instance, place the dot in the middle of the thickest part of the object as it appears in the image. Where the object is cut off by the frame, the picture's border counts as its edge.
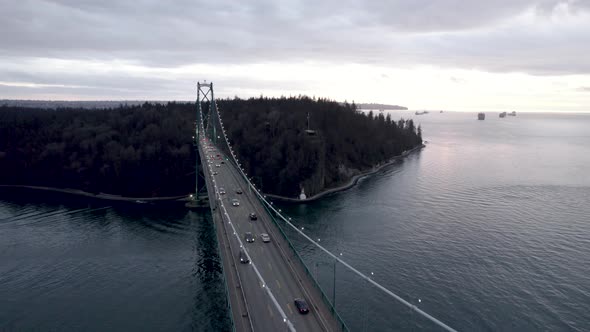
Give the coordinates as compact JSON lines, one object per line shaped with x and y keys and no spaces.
{"x":146,"y":150}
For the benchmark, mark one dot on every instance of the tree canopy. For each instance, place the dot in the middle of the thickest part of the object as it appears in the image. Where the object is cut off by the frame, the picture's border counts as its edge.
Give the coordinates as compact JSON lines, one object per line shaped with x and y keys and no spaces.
{"x":146,"y":150}
{"x":269,"y":135}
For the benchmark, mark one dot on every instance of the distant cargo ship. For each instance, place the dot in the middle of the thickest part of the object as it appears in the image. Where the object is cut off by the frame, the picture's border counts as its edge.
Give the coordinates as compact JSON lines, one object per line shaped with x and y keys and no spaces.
{"x":503,"y":114}
{"x":420,"y":113}
{"x":512,"y":114}
{"x":481,"y":116}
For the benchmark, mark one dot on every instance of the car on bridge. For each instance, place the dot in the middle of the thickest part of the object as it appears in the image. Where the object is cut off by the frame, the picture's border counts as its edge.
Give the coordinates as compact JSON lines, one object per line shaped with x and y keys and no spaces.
{"x":235,"y":202}
{"x":221,"y":191}
{"x":302,"y":306}
{"x":243,"y":257}
{"x":239,"y":191}
{"x":217,"y":165}
{"x":265,"y":237}
{"x":215,"y":173}
{"x":249,"y":237}
{"x":253,"y":216}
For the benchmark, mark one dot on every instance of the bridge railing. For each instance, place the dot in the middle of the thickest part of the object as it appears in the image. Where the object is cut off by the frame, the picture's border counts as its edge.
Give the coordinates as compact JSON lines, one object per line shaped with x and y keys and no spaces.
{"x":223,"y":274}
{"x":211,"y":195}
{"x":315,"y":283}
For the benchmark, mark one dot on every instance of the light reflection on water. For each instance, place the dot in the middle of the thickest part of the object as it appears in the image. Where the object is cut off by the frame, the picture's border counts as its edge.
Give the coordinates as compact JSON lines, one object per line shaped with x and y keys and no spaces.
{"x":488,"y":226}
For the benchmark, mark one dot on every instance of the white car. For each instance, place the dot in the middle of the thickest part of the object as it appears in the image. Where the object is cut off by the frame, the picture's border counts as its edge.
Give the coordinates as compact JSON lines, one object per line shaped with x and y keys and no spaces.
{"x":221,"y":191}
{"x":217,"y":165}
{"x":235,"y":202}
{"x":265,"y":237}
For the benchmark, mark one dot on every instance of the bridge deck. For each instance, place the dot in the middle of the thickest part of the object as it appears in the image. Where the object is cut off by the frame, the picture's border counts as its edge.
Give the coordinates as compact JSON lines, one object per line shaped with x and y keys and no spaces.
{"x":283,"y":273}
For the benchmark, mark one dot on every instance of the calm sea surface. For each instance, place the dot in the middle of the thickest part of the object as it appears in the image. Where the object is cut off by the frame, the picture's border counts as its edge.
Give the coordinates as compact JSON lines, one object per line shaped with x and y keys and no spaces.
{"x":80,"y":266}
{"x":487,"y":229}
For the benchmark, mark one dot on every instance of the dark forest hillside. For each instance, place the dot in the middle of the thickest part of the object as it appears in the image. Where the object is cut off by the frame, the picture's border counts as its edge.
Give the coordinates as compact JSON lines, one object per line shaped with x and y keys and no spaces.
{"x":141,"y":150}
{"x":146,"y":150}
{"x":269,"y":134}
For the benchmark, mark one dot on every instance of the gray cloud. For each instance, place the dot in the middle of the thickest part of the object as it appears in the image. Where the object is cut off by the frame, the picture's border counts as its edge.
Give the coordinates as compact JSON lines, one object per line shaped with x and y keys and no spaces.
{"x":93,"y":86}
{"x":457,"y":80}
{"x":487,"y":35}
{"x":169,"y":33}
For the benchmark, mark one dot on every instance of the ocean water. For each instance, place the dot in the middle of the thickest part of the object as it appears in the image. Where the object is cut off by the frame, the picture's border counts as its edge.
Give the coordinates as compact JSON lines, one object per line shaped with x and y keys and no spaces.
{"x":487,"y":229}
{"x":71,"y":265}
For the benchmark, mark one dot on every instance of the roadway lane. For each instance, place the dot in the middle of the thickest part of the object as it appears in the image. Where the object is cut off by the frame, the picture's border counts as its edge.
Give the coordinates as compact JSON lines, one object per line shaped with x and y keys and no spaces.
{"x":239,"y":306}
{"x":257,"y":300}
{"x":270,"y":259}
{"x":274,"y":268}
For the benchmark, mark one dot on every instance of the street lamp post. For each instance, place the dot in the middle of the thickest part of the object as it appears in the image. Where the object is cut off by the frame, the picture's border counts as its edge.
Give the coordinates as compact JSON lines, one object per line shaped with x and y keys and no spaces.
{"x":333,"y":279}
{"x":366,"y":320}
{"x":334,"y":287}
{"x":412,"y":309}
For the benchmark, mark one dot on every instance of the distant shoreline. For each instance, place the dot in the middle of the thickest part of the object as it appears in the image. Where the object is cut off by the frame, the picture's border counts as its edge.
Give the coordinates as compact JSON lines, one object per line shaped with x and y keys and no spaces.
{"x":102,"y":196}
{"x":351,"y":183}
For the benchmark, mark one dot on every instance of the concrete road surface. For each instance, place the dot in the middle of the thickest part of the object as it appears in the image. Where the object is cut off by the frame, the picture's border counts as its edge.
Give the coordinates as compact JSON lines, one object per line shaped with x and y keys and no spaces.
{"x":283,"y":275}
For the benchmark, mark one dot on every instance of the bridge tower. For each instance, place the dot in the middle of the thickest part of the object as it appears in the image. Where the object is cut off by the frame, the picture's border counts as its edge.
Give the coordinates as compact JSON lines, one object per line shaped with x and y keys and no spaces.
{"x":204,"y":129}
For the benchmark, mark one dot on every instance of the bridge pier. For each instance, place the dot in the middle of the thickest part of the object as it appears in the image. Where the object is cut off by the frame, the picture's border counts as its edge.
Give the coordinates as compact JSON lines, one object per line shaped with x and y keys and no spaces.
{"x":196,"y":203}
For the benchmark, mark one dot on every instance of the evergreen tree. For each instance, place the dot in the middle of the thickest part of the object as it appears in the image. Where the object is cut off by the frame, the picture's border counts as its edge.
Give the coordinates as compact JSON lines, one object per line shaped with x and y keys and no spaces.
{"x":146,"y":150}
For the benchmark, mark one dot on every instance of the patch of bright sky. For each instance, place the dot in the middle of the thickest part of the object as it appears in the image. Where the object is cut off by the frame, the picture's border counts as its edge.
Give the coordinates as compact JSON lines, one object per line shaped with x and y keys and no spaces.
{"x":420,"y":87}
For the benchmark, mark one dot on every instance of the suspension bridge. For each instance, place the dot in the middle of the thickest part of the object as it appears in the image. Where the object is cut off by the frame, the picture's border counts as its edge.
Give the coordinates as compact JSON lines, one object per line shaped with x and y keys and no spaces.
{"x":263,"y":272}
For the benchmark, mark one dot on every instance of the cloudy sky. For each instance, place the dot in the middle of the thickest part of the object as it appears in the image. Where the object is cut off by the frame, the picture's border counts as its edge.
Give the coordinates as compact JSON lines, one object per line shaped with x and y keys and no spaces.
{"x":521,"y":55}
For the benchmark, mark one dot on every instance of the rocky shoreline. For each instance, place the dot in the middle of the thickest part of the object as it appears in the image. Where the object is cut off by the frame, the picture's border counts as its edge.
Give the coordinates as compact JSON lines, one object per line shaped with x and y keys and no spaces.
{"x":351,"y":183}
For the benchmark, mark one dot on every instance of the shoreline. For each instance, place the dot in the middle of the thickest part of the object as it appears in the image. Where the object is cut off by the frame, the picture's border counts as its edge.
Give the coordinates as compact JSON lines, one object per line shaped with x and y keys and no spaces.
{"x":102,"y":196}
{"x":350,"y":183}
{"x":182,"y":198}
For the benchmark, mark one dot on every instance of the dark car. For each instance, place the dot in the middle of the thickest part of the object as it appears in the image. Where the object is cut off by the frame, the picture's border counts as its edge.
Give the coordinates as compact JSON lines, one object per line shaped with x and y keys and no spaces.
{"x":243,"y":257}
{"x":249,"y":237}
{"x":239,"y":191}
{"x":302,"y":306}
{"x":253,"y":216}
